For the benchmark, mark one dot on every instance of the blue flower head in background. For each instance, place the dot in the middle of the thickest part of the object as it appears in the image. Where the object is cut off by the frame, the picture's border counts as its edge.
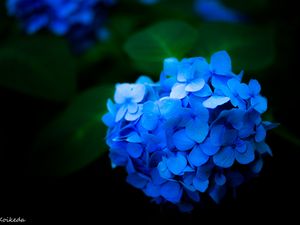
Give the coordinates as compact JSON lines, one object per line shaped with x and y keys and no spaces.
{"x":197,"y":131}
{"x":215,"y":10}
{"x":149,"y":2}
{"x":81,"y":21}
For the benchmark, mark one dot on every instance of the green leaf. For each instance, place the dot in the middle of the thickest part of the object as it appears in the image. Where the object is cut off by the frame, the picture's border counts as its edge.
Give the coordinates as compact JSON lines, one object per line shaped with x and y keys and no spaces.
{"x":38,"y":66}
{"x":162,"y":40}
{"x":75,"y":138}
{"x":284,"y":133}
{"x":251,"y":48}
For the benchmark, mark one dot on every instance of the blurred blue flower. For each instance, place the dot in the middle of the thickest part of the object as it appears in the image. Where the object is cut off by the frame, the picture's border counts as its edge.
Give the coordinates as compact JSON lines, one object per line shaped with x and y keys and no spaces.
{"x":81,"y":21}
{"x":197,"y":131}
{"x":149,"y":2}
{"x":215,"y":10}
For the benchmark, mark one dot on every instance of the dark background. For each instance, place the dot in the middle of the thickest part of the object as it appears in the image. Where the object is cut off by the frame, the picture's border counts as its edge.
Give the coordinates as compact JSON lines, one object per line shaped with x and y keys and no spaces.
{"x":99,"y":194}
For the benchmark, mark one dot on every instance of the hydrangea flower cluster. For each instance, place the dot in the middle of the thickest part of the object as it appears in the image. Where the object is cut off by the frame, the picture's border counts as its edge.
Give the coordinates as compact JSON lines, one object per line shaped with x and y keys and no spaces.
{"x":198,"y":130}
{"x":82,"y":21}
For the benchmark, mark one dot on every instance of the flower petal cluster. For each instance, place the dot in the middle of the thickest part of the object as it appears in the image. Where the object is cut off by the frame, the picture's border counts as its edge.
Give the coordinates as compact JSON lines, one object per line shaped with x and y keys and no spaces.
{"x":197,"y":131}
{"x":82,"y":21}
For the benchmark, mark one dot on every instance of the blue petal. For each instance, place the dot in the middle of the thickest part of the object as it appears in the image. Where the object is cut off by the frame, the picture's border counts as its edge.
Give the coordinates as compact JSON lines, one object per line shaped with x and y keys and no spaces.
{"x":132,"y":107}
{"x":110,"y":106}
{"x":144,"y":80}
{"x":217,"y":134}
{"x":195,"y":85}
{"x":151,"y":115}
{"x":216,"y":10}
{"x":137,"y":92}
{"x":134,"y":150}
{"x":247,"y":157}
{"x":230,"y":137}
{"x":214,"y":101}
{"x":240,"y":76}
{"x":243,"y":91}
{"x":156,"y":178}
{"x":200,"y":185}
{"x":221,"y":63}
{"x":220,"y":179}
{"x":38,"y":22}
{"x":178,"y":91}
{"x":246,"y":130}
{"x":188,"y":169}
{"x":197,"y":157}
{"x":237,"y":101}
{"x":220,"y":82}
{"x":126,"y":91}
{"x":197,"y":130}
{"x":204,"y":171}
{"x":59,"y":26}
{"x":210,"y":148}
{"x":134,"y":116}
{"x":130,"y":167}
{"x":137,"y":180}
{"x":202,"y":68}
{"x":259,"y":103}
{"x":108,"y":119}
{"x":260,"y":133}
{"x":152,"y":190}
{"x":217,"y":193}
{"x":194,"y":195}
{"x":169,"y":107}
{"x":182,"y":141}
{"x":269,"y":125}
{"x":254,"y":87}
{"x":177,"y":164}
{"x":150,"y":107}
{"x":133,"y":137}
{"x":262,"y":148}
{"x":171,"y":66}
{"x":204,"y":92}
{"x":121,"y":113}
{"x":188,"y":181}
{"x":171,"y":191}
{"x":154,"y":142}
{"x":185,"y":72}
{"x":236,"y":118}
{"x":119,"y":158}
{"x":233,"y":85}
{"x":257,"y":166}
{"x":241,"y":146}
{"x":121,"y":93}
{"x":225,"y":157}
{"x":149,"y":121}
{"x":163,"y":170}
{"x":198,"y":109}
{"x":167,"y":81}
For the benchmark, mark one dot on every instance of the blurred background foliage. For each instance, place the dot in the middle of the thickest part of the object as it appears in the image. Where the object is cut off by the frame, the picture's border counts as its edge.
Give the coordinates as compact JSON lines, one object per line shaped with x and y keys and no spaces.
{"x":53,"y":99}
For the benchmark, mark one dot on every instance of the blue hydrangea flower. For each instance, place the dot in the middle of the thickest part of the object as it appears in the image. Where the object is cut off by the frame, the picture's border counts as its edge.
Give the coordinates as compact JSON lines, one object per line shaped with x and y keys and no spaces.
{"x":198,"y":131}
{"x":215,"y":10}
{"x":81,"y":21}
